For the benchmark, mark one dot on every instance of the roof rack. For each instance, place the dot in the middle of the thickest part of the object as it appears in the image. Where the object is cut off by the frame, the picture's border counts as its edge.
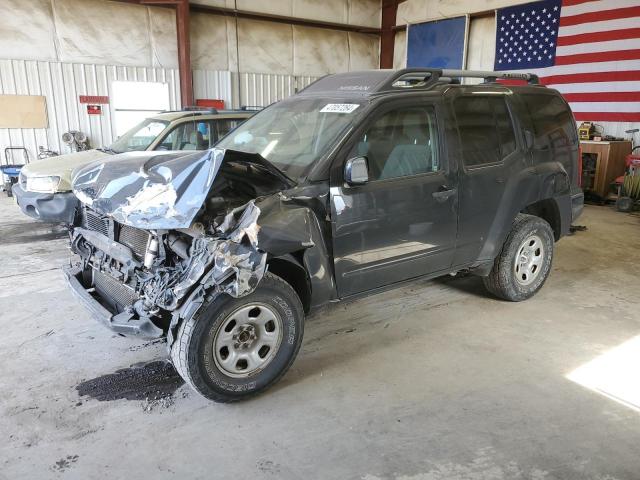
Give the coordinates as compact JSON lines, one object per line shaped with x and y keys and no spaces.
{"x":373,"y":82}
{"x":425,"y":78}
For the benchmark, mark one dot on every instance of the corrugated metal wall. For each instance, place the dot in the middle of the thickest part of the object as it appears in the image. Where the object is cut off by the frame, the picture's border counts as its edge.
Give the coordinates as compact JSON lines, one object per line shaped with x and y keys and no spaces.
{"x":62,"y":83}
{"x":256,"y":89}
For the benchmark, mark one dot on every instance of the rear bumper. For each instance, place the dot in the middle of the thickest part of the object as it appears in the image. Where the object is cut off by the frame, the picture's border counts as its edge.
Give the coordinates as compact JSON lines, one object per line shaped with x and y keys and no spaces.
{"x":123,"y":323}
{"x":47,"y":207}
{"x":577,"y":204}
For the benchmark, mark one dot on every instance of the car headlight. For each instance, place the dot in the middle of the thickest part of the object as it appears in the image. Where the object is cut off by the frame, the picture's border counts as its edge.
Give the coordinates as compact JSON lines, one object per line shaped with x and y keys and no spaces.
{"x":43,"y":184}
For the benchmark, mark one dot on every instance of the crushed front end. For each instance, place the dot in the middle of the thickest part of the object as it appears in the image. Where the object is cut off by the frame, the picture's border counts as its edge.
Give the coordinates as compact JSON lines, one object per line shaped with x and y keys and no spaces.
{"x":136,"y":281}
{"x":156,"y":234}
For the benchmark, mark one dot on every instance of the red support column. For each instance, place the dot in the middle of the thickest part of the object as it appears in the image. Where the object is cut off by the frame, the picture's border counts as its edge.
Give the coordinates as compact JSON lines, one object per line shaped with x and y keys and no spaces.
{"x":184,"y":53}
{"x":388,"y":35}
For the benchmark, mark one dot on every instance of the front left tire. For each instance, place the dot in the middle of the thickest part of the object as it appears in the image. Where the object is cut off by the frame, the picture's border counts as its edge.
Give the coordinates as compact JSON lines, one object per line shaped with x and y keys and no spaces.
{"x":235,"y":348}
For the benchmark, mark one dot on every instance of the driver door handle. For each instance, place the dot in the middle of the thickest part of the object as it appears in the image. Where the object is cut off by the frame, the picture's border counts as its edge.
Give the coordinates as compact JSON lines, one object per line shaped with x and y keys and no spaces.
{"x":444,"y":193}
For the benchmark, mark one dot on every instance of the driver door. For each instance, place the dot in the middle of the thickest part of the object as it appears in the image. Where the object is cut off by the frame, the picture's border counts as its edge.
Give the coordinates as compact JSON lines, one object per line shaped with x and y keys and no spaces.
{"x":401,"y":223}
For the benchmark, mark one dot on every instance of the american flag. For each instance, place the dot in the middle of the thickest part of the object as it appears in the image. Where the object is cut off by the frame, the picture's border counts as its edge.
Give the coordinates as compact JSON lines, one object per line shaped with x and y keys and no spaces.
{"x":589,"y":50}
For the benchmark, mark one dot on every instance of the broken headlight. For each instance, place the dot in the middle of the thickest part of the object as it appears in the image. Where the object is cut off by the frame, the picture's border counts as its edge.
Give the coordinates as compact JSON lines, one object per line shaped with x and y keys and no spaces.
{"x":43,"y":184}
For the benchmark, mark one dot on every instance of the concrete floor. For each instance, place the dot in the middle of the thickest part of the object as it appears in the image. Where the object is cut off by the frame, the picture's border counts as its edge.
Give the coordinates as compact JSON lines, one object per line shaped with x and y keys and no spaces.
{"x":433,"y":381}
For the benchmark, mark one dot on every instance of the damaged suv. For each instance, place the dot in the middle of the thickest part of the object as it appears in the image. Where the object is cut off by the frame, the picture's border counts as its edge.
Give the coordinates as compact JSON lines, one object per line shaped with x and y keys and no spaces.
{"x":360,"y":182}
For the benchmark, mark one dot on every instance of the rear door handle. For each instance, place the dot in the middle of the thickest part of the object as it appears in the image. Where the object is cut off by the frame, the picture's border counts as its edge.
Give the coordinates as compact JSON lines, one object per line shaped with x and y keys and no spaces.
{"x":444,"y":193}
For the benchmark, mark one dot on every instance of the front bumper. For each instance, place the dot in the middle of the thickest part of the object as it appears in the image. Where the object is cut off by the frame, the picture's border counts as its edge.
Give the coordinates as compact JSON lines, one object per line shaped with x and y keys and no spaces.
{"x":123,"y":323}
{"x":47,"y":207}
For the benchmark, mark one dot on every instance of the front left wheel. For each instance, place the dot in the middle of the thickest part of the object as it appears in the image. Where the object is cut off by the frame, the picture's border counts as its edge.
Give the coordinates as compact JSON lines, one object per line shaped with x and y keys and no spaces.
{"x":234,"y":348}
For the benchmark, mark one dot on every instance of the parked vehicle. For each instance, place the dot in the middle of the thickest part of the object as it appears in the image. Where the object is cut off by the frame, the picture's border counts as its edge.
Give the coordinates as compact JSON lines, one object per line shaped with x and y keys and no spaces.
{"x":362,"y":181}
{"x":44,"y":187}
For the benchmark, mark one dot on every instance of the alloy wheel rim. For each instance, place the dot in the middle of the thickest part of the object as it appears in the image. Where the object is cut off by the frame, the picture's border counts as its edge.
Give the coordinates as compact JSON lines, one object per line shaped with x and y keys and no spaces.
{"x":247,"y":340}
{"x":529,"y":260}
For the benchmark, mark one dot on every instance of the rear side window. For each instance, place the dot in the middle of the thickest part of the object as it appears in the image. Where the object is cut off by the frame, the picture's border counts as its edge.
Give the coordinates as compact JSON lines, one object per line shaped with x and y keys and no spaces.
{"x":552,"y":121}
{"x":485,"y":127}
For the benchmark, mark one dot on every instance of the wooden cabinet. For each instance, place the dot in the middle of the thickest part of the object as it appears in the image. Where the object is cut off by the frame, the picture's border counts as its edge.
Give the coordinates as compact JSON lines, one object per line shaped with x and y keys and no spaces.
{"x":602,"y":163}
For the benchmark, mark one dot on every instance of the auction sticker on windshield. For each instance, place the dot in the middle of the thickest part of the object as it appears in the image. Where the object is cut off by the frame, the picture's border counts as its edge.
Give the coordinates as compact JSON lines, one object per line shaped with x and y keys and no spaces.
{"x":339,"y":108}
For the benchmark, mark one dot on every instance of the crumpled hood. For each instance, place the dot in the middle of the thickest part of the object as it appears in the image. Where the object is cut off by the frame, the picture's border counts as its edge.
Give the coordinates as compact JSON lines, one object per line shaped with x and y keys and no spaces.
{"x":149,"y":190}
{"x":158,"y":190}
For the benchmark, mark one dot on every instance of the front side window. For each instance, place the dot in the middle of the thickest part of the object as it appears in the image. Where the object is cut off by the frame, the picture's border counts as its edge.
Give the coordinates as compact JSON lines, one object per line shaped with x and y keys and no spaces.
{"x":486,"y":130}
{"x":139,"y":137}
{"x":294,"y":134}
{"x":400,"y":143}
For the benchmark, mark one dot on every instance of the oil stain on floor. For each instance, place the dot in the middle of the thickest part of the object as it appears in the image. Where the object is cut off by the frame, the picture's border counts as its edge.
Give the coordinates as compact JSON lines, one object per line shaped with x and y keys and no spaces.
{"x":151,"y":381}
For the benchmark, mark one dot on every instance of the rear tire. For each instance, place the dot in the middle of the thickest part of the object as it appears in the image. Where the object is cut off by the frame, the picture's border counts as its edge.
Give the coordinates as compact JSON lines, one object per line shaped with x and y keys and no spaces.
{"x":524,"y":262}
{"x":234,"y":348}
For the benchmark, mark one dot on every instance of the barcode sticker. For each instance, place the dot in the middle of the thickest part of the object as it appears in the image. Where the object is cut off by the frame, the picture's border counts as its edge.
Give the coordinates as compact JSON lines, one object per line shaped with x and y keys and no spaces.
{"x":339,"y":108}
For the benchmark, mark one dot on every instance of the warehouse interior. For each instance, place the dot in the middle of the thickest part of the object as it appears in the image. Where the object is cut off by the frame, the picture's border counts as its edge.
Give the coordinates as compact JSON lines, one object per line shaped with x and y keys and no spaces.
{"x":433,"y":376}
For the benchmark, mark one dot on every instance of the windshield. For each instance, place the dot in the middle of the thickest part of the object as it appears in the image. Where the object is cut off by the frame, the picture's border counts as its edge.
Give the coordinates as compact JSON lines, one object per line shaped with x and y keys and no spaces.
{"x":294,"y":134}
{"x":139,"y":137}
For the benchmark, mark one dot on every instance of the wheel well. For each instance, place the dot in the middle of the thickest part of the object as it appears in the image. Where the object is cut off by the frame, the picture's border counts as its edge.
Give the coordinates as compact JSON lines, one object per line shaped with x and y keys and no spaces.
{"x":290,"y":270}
{"x":547,"y":209}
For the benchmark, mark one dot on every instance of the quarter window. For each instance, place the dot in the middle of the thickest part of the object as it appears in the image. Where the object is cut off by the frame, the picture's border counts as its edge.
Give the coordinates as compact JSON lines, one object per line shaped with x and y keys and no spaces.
{"x":400,"y":143}
{"x":485,"y":127}
{"x":552,"y":120}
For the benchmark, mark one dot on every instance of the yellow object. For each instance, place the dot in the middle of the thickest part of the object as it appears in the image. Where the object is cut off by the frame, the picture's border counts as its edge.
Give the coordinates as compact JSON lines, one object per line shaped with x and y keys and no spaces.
{"x":586,"y":130}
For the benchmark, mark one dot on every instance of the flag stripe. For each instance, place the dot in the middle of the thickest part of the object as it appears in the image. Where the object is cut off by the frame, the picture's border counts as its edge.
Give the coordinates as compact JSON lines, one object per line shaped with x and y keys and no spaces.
{"x":607,"y":116}
{"x":628,"y":75}
{"x":600,"y":16}
{"x":568,"y":3}
{"x":570,"y":10}
{"x":596,"y":87}
{"x":613,"y":45}
{"x":598,"y":57}
{"x":588,"y":68}
{"x":599,"y":26}
{"x":581,"y":38}
{"x":603,"y":97}
{"x":629,"y":107}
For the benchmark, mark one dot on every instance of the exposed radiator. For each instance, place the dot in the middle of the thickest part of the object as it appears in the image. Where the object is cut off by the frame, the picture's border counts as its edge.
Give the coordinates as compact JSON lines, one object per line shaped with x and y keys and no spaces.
{"x":92,"y":221}
{"x":112,"y":291}
{"x":134,"y":238}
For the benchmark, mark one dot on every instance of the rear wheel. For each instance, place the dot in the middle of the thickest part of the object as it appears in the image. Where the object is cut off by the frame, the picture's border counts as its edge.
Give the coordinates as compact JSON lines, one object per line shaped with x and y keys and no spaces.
{"x":234,"y":348}
{"x":524,"y":262}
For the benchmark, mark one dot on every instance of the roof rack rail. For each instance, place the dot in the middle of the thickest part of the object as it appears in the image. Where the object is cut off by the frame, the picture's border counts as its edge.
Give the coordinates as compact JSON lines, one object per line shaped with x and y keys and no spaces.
{"x":490,"y":76}
{"x":196,"y":108}
{"x":425,"y":78}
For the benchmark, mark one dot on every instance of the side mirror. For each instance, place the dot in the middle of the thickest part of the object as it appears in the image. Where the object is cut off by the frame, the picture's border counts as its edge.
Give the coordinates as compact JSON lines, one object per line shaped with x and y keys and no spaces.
{"x":356,"y":171}
{"x":528,"y":139}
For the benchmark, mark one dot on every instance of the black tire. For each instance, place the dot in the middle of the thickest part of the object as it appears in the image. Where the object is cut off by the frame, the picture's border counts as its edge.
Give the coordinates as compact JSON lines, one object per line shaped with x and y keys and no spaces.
{"x":503,"y":280}
{"x":192,"y":352}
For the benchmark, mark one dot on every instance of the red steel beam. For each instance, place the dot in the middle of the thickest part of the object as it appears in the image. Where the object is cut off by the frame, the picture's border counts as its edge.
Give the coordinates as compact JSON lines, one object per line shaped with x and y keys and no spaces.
{"x":184,"y":45}
{"x":184,"y":53}
{"x":388,"y":34}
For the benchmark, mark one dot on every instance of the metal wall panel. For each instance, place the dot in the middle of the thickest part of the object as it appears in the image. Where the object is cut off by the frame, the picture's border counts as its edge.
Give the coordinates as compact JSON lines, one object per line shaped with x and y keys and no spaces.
{"x":62,"y":83}
{"x":264,"y":89}
{"x":213,"y":84}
